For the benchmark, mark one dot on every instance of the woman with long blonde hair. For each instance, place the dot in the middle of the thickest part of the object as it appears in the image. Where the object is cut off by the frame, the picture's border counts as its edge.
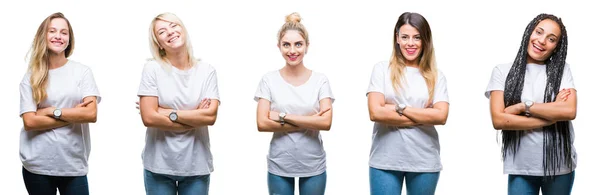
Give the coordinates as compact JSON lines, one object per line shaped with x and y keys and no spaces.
{"x":294,"y":103}
{"x":407,"y":97}
{"x":179,"y":98}
{"x":58,"y":99}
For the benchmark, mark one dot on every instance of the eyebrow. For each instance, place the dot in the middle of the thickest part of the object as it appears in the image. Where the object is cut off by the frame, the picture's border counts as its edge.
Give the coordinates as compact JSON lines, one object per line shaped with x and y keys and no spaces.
{"x":550,"y":33}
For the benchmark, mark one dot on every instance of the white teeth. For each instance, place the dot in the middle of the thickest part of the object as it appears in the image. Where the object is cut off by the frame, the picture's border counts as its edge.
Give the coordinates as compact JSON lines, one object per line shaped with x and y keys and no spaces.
{"x":538,"y":47}
{"x":174,"y":38}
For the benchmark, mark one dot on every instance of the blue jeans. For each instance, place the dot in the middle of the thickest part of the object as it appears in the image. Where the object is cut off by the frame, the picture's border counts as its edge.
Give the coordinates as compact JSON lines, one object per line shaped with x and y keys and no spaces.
{"x":387,"y":182}
{"x":525,"y":185}
{"x":279,"y":185}
{"x":46,"y":185}
{"x":161,"y":184}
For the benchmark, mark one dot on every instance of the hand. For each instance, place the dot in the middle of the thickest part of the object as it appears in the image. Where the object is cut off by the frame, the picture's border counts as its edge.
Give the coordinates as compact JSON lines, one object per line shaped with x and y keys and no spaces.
{"x":563,"y":95}
{"x":515,"y":109}
{"x":274,"y":116}
{"x":322,"y":112}
{"x":204,"y":104}
{"x":137,"y":106}
{"x":47,"y":111}
{"x":164,"y":111}
{"x":84,"y":104}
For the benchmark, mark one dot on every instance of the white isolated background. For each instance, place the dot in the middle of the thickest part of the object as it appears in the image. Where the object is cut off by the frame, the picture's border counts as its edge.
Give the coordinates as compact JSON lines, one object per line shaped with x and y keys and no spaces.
{"x":347,"y":39}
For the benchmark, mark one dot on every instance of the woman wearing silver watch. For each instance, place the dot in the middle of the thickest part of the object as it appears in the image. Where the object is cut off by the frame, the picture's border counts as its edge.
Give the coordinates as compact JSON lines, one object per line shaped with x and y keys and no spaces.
{"x":533,"y":101}
{"x":295,"y":104}
{"x":59,"y":99}
{"x":179,"y":98}
{"x":407,"y":97}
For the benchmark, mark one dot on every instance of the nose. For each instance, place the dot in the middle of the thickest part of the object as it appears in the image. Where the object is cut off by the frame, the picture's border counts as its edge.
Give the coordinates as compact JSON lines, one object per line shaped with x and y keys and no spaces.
{"x":411,"y":42}
{"x":541,"y":40}
{"x":294,"y":50}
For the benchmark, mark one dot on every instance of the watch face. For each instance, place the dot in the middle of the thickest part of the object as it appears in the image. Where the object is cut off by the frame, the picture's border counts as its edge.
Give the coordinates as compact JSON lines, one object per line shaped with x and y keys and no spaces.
{"x":57,"y":112}
{"x":173,"y":116}
{"x":281,"y":114}
{"x":528,"y":103}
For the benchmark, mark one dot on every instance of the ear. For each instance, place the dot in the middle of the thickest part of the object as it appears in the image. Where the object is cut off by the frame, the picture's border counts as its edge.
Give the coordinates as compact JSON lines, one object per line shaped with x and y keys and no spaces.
{"x":306,"y":49}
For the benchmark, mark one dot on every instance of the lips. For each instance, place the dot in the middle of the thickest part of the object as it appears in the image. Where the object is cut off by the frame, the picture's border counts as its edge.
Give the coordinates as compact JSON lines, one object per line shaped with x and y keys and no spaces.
{"x":293,"y":58}
{"x":537,"y":48}
{"x":411,"y":51}
{"x":173,"y":39}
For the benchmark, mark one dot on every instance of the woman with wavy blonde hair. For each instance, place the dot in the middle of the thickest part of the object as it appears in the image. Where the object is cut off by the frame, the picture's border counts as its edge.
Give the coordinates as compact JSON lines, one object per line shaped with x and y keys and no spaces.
{"x":179,"y":98}
{"x":58,"y":100}
{"x":294,"y":103}
{"x":407,"y":97}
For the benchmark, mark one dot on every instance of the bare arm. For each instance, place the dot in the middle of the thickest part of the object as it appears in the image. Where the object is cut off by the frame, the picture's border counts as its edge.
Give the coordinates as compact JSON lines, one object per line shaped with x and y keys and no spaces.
{"x":33,"y":122}
{"x":85,"y":112}
{"x":510,"y":121}
{"x":319,"y":121}
{"x":205,"y":114}
{"x":386,"y":113}
{"x":152,"y":118}
{"x":428,"y":116}
{"x":264,"y":124}
{"x":558,"y":110}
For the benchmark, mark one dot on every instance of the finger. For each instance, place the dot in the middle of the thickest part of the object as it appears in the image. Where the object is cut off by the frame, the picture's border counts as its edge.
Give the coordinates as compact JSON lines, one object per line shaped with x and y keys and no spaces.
{"x":137,"y":102}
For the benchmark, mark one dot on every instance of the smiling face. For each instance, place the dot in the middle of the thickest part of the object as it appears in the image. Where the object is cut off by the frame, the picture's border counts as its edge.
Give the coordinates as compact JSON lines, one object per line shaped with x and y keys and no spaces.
{"x":58,"y":35}
{"x":169,"y":35}
{"x":293,"y":47}
{"x":543,"y":41}
{"x":410,"y":43}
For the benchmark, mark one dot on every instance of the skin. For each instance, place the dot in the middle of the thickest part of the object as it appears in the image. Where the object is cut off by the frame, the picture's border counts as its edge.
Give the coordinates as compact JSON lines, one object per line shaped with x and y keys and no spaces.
{"x":172,"y":40}
{"x":57,"y":39}
{"x":293,"y":47}
{"x":564,"y":108}
{"x":410,"y":43}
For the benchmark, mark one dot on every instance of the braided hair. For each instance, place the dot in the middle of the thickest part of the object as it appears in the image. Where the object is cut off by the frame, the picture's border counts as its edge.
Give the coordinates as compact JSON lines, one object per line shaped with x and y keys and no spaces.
{"x":557,"y":138}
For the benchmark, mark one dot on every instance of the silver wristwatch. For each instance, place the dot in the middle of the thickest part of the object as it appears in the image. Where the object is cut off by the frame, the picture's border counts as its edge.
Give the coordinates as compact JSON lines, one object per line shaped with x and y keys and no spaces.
{"x":528,"y":105}
{"x":173,"y":116}
{"x":57,"y":113}
{"x":281,"y":117}
{"x":400,"y":108}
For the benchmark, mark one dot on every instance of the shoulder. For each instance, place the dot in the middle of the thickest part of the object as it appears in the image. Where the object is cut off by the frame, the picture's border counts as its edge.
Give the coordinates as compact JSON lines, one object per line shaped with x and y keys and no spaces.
{"x":205,"y":66}
{"x":383,"y":65}
{"x":78,"y":66}
{"x":270,"y":75}
{"x":320,"y":77}
{"x":503,"y":68}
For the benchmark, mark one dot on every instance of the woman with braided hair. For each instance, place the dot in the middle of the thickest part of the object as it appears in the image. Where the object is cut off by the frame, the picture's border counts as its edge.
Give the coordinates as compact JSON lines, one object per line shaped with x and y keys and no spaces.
{"x":533,"y":101}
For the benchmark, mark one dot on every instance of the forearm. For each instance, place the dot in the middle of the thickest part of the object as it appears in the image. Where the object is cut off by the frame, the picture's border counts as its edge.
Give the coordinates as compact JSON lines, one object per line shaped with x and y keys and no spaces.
{"x":158,"y":121}
{"x":267,"y":125}
{"x":390,"y":117}
{"x":42,"y":123}
{"x":553,"y":111}
{"x":516,"y":122}
{"x":79,"y":115}
{"x":197,"y":118}
{"x":426,"y":116}
{"x":310,"y":122}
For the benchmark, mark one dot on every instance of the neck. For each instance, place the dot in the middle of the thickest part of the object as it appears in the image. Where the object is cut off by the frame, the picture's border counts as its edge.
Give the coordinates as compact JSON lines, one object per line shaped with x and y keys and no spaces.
{"x":296,"y":70}
{"x":179,"y":59}
{"x":532,"y":61}
{"x":56,"y":60}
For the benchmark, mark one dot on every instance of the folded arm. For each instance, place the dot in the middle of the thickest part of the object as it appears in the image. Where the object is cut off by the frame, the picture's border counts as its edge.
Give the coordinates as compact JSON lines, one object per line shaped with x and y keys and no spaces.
{"x":152,"y":118}
{"x":386,"y":113}
{"x":319,"y":121}
{"x":265,"y":124}
{"x":509,"y":120}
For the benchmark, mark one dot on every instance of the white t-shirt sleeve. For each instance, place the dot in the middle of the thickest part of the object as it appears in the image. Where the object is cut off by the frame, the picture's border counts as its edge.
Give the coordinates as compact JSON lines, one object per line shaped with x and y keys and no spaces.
{"x":88,"y":85}
{"x":496,"y":82}
{"x":27,"y":102}
{"x":377,"y":78}
{"x":440,"y":93}
{"x":148,"y":85}
{"x":212,"y":90}
{"x":263,"y":91}
{"x":325,"y":90}
{"x":567,"y":79}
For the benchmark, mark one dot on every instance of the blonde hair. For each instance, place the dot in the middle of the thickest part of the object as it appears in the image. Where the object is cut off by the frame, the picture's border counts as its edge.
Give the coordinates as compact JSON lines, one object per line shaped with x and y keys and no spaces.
{"x":292,"y":22}
{"x":39,"y":57}
{"x":426,"y":60}
{"x":159,"y":54}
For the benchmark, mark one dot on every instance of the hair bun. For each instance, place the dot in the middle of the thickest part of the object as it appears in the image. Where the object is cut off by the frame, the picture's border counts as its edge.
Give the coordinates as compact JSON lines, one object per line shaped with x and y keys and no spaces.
{"x":293,"y":17}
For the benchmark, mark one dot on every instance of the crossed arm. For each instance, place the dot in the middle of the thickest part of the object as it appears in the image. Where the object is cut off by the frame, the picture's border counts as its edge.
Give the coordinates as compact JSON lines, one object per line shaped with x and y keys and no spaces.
{"x":158,"y":117}
{"x":268,"y":121}
{"x":43,"y":118}
{"x":564,"y":108}
{"x":384,"y":113}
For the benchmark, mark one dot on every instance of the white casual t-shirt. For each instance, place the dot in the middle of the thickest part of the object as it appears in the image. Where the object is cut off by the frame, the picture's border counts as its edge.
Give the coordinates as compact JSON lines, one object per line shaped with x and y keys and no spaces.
{"x":62,"y":151}
{"x":298,"y":153}
{"x":410,"y":149}
{"x":530,"y":155}
{"x":180,"y":153}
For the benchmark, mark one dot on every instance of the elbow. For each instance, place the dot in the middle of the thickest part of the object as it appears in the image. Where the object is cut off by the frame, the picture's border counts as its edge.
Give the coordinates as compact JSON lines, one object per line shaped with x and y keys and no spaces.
{"x":326,"y":127}
{"x":93,"y":117}
{"x":212,"y":120}
{"x":571,"y":114}
{"x":373,"y":117}
{"x":261,"y":126}
{"x":497,"y":125}
{"x":147,"y":122}
{"x":28,"y":125}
